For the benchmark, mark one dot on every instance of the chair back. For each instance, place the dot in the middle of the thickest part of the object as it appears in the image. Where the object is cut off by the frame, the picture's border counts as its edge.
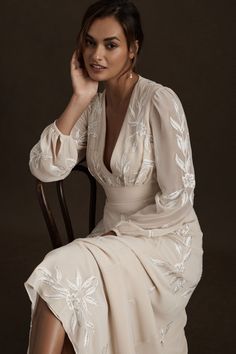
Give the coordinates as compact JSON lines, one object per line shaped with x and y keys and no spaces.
{"x":55,"y":235}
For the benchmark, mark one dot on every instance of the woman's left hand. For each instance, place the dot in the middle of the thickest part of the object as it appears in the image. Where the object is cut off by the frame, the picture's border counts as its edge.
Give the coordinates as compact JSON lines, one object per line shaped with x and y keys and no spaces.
{"x":109,"y":233}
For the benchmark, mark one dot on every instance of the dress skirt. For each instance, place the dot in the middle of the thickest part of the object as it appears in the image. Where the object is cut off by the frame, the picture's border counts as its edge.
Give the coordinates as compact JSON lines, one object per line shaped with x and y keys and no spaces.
{"x":123,"y":294}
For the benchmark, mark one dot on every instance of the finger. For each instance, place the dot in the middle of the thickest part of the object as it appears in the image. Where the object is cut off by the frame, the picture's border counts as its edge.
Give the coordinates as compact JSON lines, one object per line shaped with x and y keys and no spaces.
{"x":74,"y":61}
{"x":73,"y":56}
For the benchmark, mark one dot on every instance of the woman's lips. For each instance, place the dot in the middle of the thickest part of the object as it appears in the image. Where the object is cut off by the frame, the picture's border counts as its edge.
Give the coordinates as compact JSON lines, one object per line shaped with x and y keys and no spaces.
{"x":97,"y":68}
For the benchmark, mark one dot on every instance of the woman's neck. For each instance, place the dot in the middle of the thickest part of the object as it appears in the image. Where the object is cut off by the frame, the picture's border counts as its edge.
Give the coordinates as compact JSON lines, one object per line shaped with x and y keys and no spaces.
{"x":119,"y":90}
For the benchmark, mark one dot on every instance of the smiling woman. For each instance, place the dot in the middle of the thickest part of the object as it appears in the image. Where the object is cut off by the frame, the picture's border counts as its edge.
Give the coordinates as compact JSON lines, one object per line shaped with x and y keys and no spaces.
{"x":105,"y":54}
{"x":124,"y":288}
{"x":128,"y":26}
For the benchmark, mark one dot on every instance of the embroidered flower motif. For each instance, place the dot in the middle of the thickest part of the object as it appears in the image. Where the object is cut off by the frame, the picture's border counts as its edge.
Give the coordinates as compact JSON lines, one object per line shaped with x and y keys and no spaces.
{"x":141,"y":129}
{"x":189,"y":181}
{"x":77,"y":295}
{"x":138,"y":129}
{"x":176,"y":271}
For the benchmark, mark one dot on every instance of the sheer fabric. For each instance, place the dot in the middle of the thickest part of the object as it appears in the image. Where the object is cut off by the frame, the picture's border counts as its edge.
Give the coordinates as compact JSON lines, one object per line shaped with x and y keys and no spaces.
{"x":155,"y":261}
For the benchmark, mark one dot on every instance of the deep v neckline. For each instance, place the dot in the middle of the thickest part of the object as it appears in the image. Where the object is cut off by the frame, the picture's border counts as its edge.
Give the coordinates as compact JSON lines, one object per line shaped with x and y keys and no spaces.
{"x":121,"y":128}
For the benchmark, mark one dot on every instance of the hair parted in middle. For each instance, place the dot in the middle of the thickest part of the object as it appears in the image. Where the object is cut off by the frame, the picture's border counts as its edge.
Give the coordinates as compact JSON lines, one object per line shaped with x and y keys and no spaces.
{"x":124,"y":11}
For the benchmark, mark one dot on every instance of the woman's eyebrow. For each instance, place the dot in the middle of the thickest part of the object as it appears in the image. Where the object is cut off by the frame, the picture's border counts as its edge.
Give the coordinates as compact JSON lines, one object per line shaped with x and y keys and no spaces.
{"x":105,"y":39}
{"x":111,"y":38}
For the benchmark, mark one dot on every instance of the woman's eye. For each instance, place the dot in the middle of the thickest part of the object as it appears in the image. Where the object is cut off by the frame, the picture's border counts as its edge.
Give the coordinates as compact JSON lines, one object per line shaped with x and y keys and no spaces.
{"x":111,"y":45}
{"x":89,"y":43}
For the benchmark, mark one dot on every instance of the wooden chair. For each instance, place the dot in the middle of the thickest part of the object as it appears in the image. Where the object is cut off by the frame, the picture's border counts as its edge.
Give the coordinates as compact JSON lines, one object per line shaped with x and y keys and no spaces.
{"x":55,"y":235}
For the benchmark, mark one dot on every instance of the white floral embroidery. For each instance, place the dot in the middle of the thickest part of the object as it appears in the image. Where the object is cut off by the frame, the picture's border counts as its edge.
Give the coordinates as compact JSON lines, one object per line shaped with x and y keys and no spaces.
{"x":140,"y":127}
{"x":79,"y":131}
{"x":122,"y":166}
{"x":188,"y":180}
{"x":168,"y":200}
{"x":81,"y":137}
{"x":147,"y":167}
{"x":148,"y":140}
{"x":163,"y":332}
{"x":77,"y":296}
{"x":183,"y":143}
{"x":36,"y":155}
{"x":92,"y":128}
{"x":137,"y":125}
{"x":176,"y":271}
{"x":137,"y":132}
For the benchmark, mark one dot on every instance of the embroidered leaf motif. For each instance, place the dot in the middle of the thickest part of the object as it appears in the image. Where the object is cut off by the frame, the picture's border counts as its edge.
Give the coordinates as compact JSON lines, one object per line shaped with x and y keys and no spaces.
{"x":173,"y":195}
{"x":180,"y":163}
{"x":185,"y":161}
{"x":188,"y":163}
{"x":176,"y":106}
{"x":184,"y":198}
{"x":77,"y":296}
{"x":175,"y":125}
{"x":179,"y":141}
{"x":191,"y":197}
{"x":164,"y":331}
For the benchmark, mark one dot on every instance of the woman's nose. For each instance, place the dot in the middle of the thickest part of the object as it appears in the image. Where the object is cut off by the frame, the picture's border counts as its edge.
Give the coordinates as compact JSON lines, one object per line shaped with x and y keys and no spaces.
{"x":98,"y":53}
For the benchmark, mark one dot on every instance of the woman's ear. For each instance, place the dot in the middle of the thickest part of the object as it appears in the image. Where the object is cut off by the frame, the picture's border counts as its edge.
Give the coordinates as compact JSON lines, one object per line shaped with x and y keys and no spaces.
{"x":133,"y":51}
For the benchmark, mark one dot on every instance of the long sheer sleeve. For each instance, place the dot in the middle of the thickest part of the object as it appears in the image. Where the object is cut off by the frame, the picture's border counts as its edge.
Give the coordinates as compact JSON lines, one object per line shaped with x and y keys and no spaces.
{"x":174,"y":169}
{"x":46,"y":164}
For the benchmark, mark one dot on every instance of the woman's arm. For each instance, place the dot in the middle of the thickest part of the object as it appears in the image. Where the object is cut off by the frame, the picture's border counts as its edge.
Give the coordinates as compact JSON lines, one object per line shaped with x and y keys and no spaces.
{"x":174,"y":170}
{"x":84,"y":89}
{"x":63,"y":143}
{"x":69,"y":117}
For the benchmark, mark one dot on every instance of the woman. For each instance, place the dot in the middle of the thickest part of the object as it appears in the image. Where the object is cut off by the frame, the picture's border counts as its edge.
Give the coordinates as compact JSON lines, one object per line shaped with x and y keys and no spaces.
{"x":124,"y":288}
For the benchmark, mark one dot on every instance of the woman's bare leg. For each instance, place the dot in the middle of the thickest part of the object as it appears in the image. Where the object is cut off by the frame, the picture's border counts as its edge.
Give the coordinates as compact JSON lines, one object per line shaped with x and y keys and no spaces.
{"x":67,"y":347}
{"x":47,"y":333}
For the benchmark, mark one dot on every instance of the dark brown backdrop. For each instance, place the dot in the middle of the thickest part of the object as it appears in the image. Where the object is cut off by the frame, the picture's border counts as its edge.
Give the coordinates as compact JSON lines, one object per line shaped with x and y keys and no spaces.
{"x":188,"y":47}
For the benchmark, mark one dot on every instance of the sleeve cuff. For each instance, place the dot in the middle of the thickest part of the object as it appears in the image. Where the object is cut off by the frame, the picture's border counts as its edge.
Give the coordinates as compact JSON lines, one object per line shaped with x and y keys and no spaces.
{"x":59,"y":132}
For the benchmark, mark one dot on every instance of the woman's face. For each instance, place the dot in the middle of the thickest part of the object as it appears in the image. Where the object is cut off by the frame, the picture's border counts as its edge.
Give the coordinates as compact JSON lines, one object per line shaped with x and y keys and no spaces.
{"x":106,"y":53}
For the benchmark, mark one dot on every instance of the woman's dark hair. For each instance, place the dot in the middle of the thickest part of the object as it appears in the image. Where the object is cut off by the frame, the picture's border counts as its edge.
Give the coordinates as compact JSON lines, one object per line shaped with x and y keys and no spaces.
{"x":124,"y":11}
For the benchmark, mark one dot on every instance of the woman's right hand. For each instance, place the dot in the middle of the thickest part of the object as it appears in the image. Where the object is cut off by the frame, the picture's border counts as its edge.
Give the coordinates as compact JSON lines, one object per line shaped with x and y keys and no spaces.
{"x":83,"y":85}
{"x":84,"y":90}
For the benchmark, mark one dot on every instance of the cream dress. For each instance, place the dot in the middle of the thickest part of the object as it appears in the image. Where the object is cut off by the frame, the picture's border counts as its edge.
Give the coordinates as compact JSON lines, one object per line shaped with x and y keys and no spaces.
{"x":126,"y":294}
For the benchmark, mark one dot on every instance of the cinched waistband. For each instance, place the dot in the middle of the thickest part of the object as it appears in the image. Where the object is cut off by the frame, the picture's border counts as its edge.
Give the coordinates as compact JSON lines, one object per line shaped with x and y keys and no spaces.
{"x":127,"y":194}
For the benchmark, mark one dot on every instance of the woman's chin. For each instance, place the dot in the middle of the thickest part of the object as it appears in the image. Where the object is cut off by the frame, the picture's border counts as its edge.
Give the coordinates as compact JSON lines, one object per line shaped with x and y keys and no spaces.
{"x":98,"y":76}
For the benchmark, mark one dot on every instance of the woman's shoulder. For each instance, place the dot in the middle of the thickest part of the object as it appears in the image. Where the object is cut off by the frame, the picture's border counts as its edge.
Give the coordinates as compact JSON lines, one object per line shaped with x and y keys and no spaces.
{"x":153,"y":86}
{"x":154,"y":91}
{"x":148,"y":88}
{"x":148,"y":84}
{"x":145,"y":82}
